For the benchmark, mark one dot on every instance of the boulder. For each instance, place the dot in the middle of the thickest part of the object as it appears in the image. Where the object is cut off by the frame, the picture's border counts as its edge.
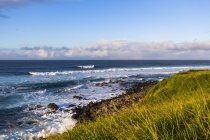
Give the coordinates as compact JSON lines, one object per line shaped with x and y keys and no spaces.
{"x":52,"y":106}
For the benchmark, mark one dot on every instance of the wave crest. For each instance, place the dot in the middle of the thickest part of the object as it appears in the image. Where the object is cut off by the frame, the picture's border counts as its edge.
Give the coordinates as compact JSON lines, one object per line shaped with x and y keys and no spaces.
{"x":87,"y":67}
{"x":146,"y":70}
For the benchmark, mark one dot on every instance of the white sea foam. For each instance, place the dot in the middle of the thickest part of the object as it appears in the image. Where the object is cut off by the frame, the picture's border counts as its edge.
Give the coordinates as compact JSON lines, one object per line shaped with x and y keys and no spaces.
{"x":147,"y":70}
{"x":62,"y":122}
{"x":73,"y":88}
{"x":87,"y":67}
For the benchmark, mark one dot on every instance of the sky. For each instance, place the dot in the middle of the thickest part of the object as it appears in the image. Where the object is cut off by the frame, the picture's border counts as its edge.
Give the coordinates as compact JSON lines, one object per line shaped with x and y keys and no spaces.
{"x":104,"y":29}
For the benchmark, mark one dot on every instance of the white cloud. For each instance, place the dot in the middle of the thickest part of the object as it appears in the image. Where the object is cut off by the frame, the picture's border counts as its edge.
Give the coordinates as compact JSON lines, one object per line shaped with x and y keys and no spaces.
{"x":115,"y":49}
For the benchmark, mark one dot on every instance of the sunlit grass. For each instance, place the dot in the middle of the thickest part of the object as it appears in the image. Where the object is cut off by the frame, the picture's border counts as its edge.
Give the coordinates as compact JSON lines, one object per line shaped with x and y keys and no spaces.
{"x":176,"y":108}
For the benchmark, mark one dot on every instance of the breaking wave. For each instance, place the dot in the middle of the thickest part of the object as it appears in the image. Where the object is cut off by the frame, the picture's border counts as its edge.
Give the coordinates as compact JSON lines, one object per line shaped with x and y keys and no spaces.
{"x":87,"y":67}
{"x":160,"y":70}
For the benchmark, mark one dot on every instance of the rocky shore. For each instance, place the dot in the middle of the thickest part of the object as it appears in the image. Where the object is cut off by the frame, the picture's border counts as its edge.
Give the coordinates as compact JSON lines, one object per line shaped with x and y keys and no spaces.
{"x":110,"y":106}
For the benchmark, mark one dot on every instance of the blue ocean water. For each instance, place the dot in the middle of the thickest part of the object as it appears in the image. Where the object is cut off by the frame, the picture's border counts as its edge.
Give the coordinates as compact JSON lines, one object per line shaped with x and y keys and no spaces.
{"x":27,"y":87}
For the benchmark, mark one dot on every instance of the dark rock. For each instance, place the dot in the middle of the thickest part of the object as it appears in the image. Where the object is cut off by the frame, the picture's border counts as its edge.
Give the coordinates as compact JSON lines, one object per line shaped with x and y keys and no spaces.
{"x":50,"y":112}
{"x":77,"y":112}
{"x":116,"y":81}
{"x":77,"y":97}
{"x":35,"y":108}
{"x":71,"y":105}
{"x":110,"y":82}
{"x":98,"y":84}
{"x":31,"y":122}
{"x":110,"y":106}
{"x":31,"y":108}
{"x":102,"y":84}
{"x":20,"y":123}
{"x":52,"y":106}
{"x":39,"y":106}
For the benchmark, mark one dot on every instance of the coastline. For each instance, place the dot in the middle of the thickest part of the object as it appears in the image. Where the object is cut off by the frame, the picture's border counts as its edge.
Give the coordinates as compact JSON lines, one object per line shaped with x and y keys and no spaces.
{"x":110,"y":106}
{"x":175,"y":108}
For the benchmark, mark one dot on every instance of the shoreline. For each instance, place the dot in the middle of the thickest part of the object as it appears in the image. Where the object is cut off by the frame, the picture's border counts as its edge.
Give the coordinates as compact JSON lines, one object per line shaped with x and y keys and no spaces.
{"x":110,"y":106}
{"x":163,"y":113}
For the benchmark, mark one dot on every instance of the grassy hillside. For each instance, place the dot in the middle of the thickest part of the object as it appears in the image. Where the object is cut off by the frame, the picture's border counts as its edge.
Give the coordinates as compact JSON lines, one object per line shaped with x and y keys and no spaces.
{"x":175,"y":108}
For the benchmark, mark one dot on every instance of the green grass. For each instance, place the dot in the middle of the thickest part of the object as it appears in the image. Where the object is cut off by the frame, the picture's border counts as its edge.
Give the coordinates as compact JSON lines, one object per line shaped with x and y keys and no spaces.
{"x":177,"y":108}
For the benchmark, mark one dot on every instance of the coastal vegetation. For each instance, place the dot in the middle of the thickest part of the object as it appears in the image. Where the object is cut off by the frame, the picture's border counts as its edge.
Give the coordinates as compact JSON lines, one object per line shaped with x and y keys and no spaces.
{"x":175,"y":108}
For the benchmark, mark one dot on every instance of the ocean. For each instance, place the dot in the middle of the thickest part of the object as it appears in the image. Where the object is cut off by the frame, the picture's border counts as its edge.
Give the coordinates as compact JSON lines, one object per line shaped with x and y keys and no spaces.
{"x":27,"y":87}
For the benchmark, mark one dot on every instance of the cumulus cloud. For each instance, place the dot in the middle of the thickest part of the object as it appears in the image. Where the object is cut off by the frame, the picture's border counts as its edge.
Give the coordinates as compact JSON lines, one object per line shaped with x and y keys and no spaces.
{"x":114,"y":49}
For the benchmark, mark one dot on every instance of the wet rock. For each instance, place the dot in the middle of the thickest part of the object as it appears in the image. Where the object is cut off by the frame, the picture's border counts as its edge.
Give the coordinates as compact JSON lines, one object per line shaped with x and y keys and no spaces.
{"x":20,"y":123}
{"x":39,"y":106}
{"x":77,"y":97}
{"x":102,"y":84}
{"x":116,"y":81}
{"x":31,"y":122}
{"x":110,"y":82}
{"x":66,"y":110}
{"x":35,"y":108}
{"x":49,"y":112}
{"x":31,"y":109}
{"x":71,"y":105}
{"x":98,"y":84}
{"x":52,"y":106}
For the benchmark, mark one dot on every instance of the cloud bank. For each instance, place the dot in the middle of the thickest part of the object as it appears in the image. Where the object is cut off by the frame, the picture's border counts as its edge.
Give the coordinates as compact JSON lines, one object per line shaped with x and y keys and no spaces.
{"x":115,"y":49}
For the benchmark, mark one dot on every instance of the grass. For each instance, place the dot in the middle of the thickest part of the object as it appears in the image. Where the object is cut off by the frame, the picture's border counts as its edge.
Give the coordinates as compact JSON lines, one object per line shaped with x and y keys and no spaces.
{"x":176,"y":108}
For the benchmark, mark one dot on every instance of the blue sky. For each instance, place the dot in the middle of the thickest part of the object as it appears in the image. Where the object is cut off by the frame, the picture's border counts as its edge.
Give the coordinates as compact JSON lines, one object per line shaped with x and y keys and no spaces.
{"x":47,"y":25}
